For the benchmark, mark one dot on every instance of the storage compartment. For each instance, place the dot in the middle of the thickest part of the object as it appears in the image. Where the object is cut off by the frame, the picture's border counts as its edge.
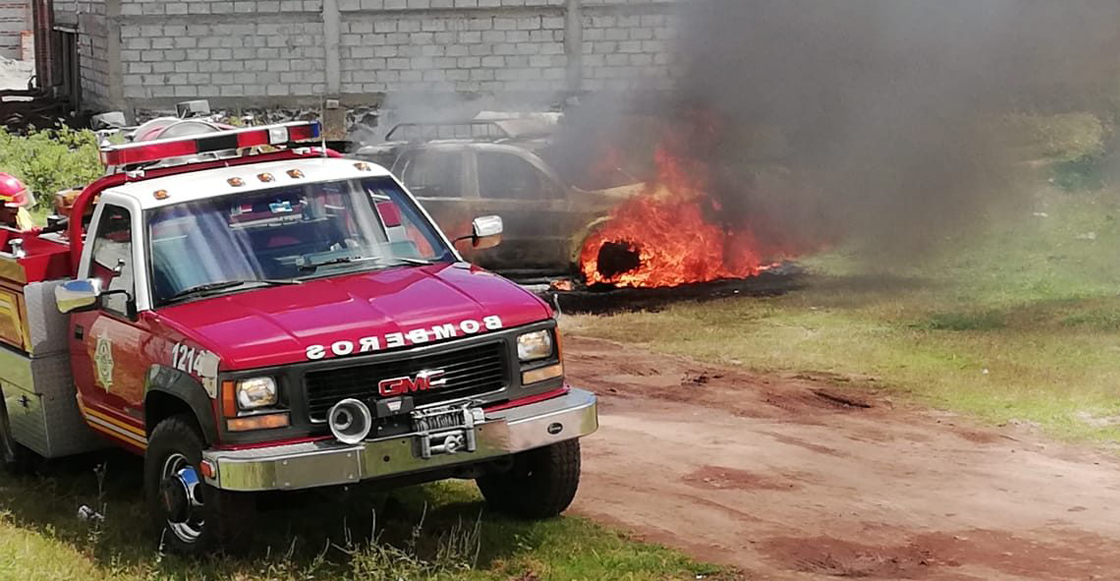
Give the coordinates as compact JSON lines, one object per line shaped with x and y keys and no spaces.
{"x":42,"y":405}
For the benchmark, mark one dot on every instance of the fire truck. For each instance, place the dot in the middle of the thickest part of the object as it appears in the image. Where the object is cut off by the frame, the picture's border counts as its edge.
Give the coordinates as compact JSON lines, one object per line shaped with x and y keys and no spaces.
{"x":251,"y":312}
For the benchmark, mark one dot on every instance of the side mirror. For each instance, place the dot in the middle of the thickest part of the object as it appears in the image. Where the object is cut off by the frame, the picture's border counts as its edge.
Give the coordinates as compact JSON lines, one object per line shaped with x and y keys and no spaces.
{"x":486,"y":232}
{"x":77,"y":295}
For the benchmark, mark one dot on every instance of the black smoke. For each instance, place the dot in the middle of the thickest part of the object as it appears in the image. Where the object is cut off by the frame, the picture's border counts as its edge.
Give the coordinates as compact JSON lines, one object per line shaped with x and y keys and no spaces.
{"x":871,"y":120}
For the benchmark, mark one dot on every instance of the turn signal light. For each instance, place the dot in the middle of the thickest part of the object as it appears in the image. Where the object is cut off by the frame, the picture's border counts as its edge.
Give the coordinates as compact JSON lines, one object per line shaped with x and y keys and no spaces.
{"x":229,"y":399}
{"x":542,"y":374}
{"x":262,"y":422}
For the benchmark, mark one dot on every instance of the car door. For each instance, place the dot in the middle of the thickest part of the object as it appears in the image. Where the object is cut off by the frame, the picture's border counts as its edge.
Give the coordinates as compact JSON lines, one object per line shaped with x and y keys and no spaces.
{"x":107,"y":344}
{"x":438,"y":179}
{"x":532,"y":206}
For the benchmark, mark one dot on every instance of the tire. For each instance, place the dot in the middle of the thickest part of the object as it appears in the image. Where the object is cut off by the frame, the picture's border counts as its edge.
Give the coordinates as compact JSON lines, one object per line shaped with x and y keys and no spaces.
{"x":218,"y":520}
{"x":541,"y":483}
{"x":15,"y":458}
{"x":20,"y":462}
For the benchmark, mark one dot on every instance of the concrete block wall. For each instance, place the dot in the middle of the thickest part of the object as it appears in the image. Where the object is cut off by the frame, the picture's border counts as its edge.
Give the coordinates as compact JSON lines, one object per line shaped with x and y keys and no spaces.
{"x":149,"y":54}
{"x":15,"y":18}
{"x":66,"y":13}
{"x":237,"y":59}
{"x":627,"y":44}
{"x":97,"y":54}
{"x":509,"y":49}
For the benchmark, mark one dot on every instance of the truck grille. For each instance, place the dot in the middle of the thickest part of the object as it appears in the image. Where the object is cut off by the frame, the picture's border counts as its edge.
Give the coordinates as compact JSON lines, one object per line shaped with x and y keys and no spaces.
{"x":470,"y":371}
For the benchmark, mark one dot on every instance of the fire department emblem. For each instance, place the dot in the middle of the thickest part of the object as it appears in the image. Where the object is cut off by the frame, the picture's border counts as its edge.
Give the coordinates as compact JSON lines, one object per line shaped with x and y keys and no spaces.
{"x":103,"y":359}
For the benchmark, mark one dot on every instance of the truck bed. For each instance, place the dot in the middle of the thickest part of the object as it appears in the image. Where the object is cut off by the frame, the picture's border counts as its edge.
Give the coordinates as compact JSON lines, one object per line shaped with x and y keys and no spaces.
{"x":46,"y":257}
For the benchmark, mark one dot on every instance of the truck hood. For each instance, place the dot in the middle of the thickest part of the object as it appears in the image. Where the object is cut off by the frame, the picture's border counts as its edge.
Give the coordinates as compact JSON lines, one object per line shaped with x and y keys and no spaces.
{"x":353,"y":314}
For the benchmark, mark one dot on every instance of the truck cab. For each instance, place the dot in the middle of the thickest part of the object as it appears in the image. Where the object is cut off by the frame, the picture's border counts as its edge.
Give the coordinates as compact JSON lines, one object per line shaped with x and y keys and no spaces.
{"x":283,"y":321}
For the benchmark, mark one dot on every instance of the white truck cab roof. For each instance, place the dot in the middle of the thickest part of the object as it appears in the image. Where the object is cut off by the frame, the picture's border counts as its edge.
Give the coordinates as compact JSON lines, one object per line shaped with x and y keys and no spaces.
{"x":198,"y":185}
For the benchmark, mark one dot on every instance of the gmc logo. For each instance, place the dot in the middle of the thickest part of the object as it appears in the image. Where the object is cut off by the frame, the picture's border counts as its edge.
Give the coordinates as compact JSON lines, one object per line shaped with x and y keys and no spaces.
{"x":425,"y":380}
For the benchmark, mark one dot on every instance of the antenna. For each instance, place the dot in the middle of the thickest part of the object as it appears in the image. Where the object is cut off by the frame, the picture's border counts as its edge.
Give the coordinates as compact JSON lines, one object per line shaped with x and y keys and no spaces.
{"x":322,"y":120}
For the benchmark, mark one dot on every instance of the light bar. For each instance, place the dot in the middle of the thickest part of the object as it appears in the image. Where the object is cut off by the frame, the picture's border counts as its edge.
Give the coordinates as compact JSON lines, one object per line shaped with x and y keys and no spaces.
{"x":146,"y":151}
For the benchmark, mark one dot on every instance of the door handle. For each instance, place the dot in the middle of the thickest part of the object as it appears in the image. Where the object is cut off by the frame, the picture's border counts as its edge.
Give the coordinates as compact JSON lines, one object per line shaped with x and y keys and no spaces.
{"x":79,"y":332}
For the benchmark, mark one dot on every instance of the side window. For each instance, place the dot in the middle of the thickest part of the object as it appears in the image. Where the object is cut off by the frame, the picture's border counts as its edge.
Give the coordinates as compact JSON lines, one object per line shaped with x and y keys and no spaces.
{"x":112,"y":245}
{"x":508,"y":177}
{"x":435,"y":174}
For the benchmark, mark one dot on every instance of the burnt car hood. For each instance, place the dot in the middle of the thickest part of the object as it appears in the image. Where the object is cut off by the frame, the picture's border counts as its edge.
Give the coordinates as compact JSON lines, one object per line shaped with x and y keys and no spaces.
{"x":353,"y":314}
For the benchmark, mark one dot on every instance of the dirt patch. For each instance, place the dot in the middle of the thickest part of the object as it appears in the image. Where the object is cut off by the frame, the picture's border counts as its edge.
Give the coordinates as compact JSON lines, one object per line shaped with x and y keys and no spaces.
{"x":720,"y":478}
{"x":839,"y":558}
{"x":814,"y":477}
{"x":933,"y":554}
{"x":979,"y":436}
{"x":686,"y":381}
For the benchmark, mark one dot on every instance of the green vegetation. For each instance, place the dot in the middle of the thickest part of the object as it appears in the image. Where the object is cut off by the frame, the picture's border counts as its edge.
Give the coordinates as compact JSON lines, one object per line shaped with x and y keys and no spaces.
{"x":434,"y":532}
{"x":1018,"y":323}
{"x":48,"y":161}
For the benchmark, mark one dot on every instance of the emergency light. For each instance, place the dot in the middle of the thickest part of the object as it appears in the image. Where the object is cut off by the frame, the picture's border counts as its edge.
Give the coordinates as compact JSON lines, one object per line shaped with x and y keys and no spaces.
{"x":146,"y":151}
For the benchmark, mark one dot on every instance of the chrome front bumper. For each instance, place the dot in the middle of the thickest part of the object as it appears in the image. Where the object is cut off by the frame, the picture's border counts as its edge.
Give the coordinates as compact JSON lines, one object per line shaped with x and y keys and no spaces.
{"x":327,"y":463}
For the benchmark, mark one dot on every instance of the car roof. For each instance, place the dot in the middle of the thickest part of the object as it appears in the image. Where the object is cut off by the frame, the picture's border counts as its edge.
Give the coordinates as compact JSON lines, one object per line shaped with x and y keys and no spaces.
{"x":209,"y":183}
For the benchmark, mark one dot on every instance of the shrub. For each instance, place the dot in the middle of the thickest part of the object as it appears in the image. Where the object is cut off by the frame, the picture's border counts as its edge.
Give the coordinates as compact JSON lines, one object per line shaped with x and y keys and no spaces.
{"x":51,"y":160}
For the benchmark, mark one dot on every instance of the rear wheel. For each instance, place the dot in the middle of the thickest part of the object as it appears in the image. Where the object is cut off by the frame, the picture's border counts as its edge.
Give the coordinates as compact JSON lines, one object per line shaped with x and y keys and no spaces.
{"x":15,"y":459}
{"x":541,"y":483}
{"x":193,"y":517}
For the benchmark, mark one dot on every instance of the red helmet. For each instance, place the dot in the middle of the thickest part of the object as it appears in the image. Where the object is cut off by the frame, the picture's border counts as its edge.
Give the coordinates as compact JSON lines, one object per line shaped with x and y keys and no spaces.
{"x":12,"y":191}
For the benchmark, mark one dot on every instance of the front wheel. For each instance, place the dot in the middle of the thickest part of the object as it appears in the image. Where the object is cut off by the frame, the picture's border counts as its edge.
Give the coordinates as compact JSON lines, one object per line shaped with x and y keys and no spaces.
{"x":541,"y":483}
{"x":193,"y":517}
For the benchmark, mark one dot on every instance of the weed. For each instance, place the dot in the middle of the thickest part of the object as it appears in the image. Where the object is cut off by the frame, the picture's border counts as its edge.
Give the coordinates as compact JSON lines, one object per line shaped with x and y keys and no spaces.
{"x":954,"y":321}
{"x":48,"y":161}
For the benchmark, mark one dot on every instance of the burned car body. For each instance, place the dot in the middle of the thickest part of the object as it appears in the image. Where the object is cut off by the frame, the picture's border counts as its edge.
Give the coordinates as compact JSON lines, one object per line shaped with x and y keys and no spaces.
{"x":504,"y":167}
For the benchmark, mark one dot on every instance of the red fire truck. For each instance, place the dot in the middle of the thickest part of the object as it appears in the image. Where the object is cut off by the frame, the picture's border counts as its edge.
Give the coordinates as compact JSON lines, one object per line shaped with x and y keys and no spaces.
{"x":251,"y":315}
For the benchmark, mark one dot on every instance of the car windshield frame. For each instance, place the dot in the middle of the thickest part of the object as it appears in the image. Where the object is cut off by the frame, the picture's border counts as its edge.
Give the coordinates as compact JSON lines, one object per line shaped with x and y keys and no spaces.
{"x":384,"y":187}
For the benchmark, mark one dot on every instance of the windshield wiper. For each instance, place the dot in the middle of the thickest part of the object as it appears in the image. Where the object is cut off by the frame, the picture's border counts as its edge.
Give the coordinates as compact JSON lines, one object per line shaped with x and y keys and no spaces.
{"x":313,"y":266}
{"x":227,"y":284}
{"x":416,"y":261}
{"x":383,"y":260}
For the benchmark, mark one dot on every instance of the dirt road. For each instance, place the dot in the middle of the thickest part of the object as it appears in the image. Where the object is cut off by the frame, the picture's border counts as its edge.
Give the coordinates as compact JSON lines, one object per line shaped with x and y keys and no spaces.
{"x":794,"y":478}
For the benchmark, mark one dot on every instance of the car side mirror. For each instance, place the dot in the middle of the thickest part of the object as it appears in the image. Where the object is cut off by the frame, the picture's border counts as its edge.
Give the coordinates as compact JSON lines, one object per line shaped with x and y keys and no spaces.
{"x":486,"y":232}
{"x":75,"y":296}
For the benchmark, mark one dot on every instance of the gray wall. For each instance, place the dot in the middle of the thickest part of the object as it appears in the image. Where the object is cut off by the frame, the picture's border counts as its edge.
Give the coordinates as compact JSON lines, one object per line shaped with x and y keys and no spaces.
{"x":291,"y":53}
{"x":15,"y":17}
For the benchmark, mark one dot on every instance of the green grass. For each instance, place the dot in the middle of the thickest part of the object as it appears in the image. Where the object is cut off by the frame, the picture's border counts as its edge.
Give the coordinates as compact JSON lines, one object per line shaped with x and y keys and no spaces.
{"x":439,"y":531}
{"x":1020,"y":322}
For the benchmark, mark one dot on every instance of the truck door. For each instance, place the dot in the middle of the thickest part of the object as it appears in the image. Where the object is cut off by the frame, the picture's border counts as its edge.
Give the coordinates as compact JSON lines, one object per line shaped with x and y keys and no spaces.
{"x":107,"y":344}
{"x":532,"y":207}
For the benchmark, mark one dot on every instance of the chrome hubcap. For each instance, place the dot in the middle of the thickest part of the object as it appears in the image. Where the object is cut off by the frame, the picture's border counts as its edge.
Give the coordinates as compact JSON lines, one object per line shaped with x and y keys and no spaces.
{"x":182,"y":500}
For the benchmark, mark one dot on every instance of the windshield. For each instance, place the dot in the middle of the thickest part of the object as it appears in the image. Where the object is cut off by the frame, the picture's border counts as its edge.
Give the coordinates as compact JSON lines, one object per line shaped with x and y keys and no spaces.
{"x":285,"y":235}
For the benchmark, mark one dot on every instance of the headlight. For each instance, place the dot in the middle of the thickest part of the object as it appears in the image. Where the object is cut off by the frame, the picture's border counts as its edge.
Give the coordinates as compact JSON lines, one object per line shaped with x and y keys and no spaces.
{"x":535,"y":345}
{"x":257,"y":392}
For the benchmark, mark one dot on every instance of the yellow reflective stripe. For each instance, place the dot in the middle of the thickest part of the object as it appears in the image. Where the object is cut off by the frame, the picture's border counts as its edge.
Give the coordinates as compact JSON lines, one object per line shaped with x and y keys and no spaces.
{"x":120,"y":424}
{"x":116,"y":435}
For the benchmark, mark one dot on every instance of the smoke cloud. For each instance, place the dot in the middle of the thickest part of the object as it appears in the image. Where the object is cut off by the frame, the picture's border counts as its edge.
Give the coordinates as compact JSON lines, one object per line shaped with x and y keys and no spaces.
{"x":870,"y":120}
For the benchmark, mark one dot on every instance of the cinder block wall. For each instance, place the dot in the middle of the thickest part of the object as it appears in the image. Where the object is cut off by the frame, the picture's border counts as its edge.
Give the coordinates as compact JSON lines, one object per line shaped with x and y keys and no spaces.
{"x":15,"y":17}
{"x":149,"y":54}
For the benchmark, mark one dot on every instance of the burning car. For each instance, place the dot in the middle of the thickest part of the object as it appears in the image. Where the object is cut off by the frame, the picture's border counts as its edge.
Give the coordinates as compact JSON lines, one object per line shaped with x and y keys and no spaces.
{"x":504,"y":166}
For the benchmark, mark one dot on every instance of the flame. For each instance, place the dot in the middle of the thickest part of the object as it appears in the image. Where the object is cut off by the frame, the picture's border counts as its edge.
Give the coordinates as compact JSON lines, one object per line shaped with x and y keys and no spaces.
{"x":670,"y":236}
